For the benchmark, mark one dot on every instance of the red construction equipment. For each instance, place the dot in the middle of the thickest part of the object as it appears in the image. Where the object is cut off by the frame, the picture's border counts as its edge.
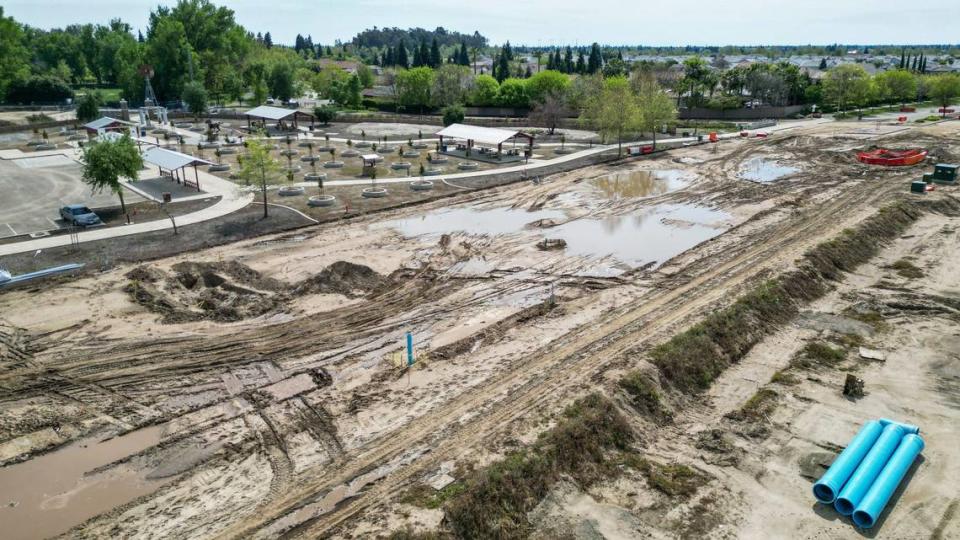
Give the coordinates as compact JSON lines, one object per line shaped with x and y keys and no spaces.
{"x":883,"y":156}
{"x":713,"y":136}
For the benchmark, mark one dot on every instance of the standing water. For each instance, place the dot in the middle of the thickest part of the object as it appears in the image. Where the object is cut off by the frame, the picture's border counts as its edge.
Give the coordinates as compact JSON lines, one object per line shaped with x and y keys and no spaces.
{"x":49,"y":494}
{"x":637,"y":184}
{"x":763,"y":170}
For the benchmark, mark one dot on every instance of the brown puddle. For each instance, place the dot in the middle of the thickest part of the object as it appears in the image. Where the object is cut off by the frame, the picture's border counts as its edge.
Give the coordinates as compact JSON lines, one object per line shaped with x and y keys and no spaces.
{"x":637,"y":184}
{"x":49,"y":494}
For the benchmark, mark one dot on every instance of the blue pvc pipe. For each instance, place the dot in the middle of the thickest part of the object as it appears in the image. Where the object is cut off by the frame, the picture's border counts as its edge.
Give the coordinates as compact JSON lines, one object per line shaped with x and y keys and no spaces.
{"x":832,"y":481}
{"x":409,"y":349}
{"x":908,"y":428}
{"x":886,"y":483}
{"x":862,"y":478}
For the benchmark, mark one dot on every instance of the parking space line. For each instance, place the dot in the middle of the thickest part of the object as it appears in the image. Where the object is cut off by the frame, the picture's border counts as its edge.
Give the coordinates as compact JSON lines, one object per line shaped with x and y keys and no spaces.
{"x":54,"y":223}
{"x":11,"y":229}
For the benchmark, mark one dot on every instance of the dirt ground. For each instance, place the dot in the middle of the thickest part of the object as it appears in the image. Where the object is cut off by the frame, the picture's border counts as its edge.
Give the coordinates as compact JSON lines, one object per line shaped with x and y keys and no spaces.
{"x":261,"y":388}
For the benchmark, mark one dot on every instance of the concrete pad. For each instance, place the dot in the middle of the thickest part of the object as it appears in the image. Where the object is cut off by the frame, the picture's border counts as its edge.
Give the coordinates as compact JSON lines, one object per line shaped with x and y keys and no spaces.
{"x":33,"y":194}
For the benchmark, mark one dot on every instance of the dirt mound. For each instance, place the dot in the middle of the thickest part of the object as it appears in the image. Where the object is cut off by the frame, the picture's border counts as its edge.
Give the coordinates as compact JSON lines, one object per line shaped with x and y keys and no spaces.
{"x":342,"y":277}
{"x":228,"y":291}
{"x":145,"y":274}
{"x":190,"y":272}
{"x":221,"y":291}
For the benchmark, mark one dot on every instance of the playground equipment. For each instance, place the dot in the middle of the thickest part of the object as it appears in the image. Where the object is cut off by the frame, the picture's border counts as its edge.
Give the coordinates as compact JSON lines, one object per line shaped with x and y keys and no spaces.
{"x":865,"y":475}
{"x":892,"y":158}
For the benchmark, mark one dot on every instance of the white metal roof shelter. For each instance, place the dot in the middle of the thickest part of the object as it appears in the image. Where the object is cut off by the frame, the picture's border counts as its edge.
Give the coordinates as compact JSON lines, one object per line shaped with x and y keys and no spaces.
{"x":277,"y":114}
{"x":106,"y":123}
{"x":483,"y":135}
{"x":175,"y":163}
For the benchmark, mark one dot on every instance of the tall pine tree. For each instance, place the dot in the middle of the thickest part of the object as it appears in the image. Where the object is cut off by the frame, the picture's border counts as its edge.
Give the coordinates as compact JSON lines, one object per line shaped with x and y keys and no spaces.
{"x":401,"y":56}
{"x":463,"y":57}
{"x":435,"y":59}
{"x":596,"y":60}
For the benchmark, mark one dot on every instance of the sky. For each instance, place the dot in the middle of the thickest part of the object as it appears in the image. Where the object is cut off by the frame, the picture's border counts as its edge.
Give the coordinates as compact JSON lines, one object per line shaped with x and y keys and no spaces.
{"x":559,"y":22}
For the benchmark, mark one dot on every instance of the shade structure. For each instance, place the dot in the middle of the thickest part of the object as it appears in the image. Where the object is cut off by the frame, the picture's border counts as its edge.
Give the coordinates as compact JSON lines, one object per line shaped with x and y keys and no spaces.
{"x":171,"y":160}
{"x":483,"y":135}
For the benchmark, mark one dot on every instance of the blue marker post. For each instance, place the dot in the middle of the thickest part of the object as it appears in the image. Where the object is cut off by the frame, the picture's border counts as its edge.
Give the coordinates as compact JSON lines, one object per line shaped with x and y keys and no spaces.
{"x":409,"y":349}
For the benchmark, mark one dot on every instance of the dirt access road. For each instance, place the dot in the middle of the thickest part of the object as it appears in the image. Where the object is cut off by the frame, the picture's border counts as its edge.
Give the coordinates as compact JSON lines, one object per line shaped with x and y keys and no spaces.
{"x":293,"y":419}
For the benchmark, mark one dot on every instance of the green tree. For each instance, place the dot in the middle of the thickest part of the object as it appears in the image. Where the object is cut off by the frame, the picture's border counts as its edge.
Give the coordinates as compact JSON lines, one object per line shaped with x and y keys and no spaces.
{"x":654,"y":106}
{"x":453,"y":114}
{"x":513,"y":93}
{"x":414,"y":87}
{"x":367,"y":79}
{"x":485,"y":90}
{"x":613,"y":111}
{"x":451,"y":83}
{"x":89,"y":107}
{"x":596,"y":59}
{"x":170,"y":54}
{"x":325,"y":114}
{"x":281,"y":81}
{"x":899,"y":85}
{"x":545,"y":83}
{"x":695,"y":71}
{"x":39,"y":89}
{"x":259,"y":166}
{"x":435,"y":60}
{"x":846,"y":85}
{"x":944,"y":89}
{"x":260,"y":91}
{"x":14,"y":55}
{"x":106,"y":162}
{"x":195,"y":97}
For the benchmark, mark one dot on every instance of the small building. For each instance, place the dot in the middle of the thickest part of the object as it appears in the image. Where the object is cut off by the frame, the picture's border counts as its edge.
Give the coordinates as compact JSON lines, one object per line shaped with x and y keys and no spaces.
{"x":284,"y":118}
{"x":107,"y":124}
{"x":482,"y":143}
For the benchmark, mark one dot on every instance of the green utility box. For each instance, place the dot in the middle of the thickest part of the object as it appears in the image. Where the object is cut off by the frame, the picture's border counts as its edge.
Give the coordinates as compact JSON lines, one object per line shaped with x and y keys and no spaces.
{"x":918,"y":186}
{"x":943,"y":173}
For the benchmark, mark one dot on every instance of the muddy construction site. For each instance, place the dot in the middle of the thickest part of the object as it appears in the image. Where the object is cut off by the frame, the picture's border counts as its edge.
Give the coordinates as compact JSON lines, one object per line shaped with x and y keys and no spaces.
{"x":650,"y":348}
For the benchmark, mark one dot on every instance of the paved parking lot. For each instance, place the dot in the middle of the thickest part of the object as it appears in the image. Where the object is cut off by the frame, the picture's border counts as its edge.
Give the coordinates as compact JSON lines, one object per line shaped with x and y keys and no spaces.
{"x":34,"y":188}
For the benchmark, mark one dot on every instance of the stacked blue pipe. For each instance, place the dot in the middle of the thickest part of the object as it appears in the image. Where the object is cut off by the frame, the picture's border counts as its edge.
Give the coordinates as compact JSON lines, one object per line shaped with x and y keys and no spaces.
{"x":865,"y":475}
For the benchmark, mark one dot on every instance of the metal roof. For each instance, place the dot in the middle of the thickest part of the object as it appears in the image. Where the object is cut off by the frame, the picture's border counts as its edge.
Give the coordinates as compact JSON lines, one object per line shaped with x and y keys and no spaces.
{"x":477,"y":133}
{"x":170,"y":160}
{"x":271,"y":113}
{"x":371,"y":157}
{"x":105,"y":121}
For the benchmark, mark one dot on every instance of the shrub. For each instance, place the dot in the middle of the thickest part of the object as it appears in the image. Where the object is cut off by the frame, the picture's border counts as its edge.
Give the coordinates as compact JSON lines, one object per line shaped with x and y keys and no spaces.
{"x":644,"y":395}
{"x":453,"y":114}
{"x":39,"y":89}
{"x":325,"y":114}
{"x":495,"y":500}
{"x":89,"y":107}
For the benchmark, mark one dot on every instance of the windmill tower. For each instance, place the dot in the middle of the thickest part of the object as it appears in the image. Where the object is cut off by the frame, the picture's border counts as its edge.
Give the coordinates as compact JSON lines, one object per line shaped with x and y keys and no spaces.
{"x":149,"y":97}
{"x":150,"y":102}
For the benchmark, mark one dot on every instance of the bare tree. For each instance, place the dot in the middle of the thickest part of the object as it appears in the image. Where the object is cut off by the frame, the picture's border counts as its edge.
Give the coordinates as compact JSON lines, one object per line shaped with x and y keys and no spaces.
{"x":549,"y":112}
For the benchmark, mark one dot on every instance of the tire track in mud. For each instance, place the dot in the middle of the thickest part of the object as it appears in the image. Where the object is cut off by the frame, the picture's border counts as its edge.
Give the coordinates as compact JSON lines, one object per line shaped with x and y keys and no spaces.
{"x":547,"y":374}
